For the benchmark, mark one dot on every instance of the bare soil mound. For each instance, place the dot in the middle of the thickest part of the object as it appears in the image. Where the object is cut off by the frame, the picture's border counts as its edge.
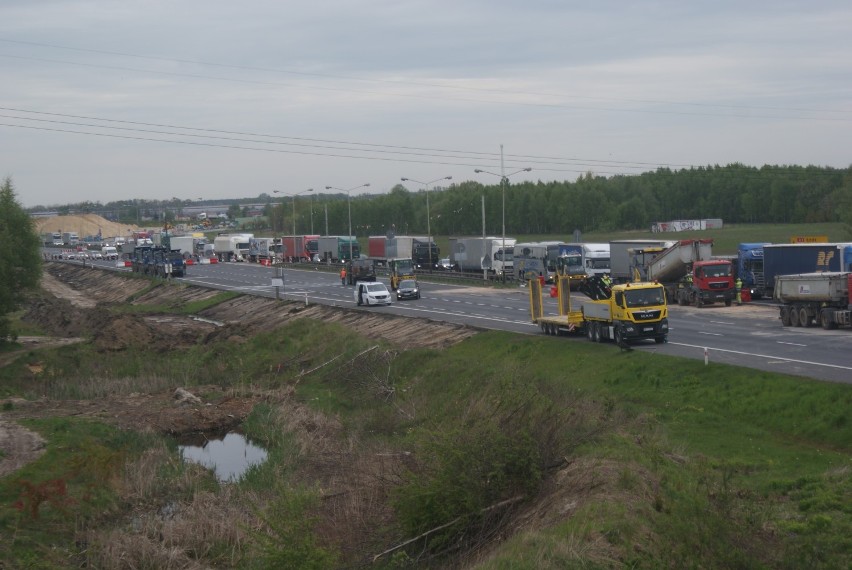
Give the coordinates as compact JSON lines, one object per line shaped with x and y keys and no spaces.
{"x":84,"y":225}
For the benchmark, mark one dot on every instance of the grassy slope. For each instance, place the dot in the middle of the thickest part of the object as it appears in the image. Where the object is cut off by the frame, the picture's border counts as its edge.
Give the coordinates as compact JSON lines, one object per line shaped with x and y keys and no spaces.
{"x":714,"y":466}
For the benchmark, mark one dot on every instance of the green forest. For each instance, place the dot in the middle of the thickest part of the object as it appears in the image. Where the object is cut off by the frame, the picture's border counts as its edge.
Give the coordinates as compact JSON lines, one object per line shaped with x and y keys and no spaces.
{"x":736,"y":193}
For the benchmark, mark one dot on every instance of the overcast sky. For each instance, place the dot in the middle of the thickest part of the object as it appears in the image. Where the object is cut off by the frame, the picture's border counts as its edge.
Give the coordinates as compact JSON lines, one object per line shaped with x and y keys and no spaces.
{"x":115,"y":100}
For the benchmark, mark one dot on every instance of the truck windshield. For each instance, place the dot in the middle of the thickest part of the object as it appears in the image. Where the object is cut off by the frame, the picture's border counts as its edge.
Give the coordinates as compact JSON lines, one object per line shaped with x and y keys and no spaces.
{"x":404,"y":265}
{"x":644,"y":297}
{"x":721,"y":270}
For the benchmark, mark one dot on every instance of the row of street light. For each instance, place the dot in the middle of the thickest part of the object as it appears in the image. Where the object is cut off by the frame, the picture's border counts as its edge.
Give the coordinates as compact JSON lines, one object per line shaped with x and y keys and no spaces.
{"x":504,"y":180}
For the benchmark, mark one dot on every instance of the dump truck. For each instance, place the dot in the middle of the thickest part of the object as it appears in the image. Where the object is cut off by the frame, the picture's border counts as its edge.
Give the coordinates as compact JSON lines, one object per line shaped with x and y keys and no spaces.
{"x":688,"y":272}
{"x":809,"y":298}
{"x":624,"y":313}
{"x":621,"y":270}
{"x":796,"y":258}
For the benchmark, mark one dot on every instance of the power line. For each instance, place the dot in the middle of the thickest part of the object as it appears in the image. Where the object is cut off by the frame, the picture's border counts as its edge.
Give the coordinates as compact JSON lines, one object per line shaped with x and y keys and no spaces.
{"x":302,"y":141}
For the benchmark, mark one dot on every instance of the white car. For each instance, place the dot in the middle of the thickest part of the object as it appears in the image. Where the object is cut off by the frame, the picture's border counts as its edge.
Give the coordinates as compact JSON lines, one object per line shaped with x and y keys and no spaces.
{"x":372,"y":293}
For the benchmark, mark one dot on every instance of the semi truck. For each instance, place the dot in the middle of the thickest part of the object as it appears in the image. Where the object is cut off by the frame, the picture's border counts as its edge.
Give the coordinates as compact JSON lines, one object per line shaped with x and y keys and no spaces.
{"x":70,"y":238}
{"x":688,"y":272}
{"x":624,"y":313}
{"x":297,"y":248}
{"x":262,"y":250}
{"x":566,"y":259}
{"x":808,"y":298}
{"x":795,"y":258}
{"x":420,"y":249}
{"x":483,"y":254}
{"x":749,"y":268}
{"x":338,"y":248}
{"x":621,"y":270}
{"x":232,"y":247}
{"x":596,"y":258}
{"x":532,"y":259}
{"x":191,"y":246}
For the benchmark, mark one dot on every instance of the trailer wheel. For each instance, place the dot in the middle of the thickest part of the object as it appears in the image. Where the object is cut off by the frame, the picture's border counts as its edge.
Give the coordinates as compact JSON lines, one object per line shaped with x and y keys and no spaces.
{"x":804,"y":318}
{"x":543,"y":327}
{"x":785,"y":316}
{"x":794,"y":317}
{"x":826,"y":319}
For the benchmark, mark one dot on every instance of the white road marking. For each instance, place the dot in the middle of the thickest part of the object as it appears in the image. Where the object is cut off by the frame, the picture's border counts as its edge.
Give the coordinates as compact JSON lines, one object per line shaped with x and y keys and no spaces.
{"x":790,"y":343}
{"x":710,"y":334}
{"x":773,"y":358}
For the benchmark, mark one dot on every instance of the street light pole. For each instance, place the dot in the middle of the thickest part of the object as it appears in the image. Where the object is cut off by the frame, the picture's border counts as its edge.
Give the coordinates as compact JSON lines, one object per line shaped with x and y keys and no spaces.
{"x":293,"y":197}
{"x":349,"y":204}
{"x":428,"y":216}
{"x":504,"y":181}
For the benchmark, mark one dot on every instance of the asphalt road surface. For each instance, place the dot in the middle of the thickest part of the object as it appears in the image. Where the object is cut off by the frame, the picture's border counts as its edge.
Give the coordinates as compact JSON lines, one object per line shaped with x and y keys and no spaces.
{"x":749,"y":336}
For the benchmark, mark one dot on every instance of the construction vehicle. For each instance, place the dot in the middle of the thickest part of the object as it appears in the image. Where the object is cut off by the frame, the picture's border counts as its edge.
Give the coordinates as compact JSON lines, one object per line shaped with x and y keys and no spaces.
{"x":623,"y":313}
{"x":360,"y":270}
{"x":808,"y":298}
{"x":621,"y":269}
{"x":399,"y":270}
{"x":688,"y":272}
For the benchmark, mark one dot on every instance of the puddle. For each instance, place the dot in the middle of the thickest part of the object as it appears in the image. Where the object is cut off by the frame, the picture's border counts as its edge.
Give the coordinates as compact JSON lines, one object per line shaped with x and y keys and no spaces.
{"x":229,"y":456}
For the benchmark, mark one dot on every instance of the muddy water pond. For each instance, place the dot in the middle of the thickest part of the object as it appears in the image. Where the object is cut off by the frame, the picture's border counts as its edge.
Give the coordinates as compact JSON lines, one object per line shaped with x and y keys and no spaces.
{"x":229,"y":455}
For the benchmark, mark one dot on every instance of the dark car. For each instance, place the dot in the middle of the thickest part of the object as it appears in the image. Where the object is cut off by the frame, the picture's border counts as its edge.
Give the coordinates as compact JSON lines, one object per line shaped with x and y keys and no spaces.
{"x":408,"y":289}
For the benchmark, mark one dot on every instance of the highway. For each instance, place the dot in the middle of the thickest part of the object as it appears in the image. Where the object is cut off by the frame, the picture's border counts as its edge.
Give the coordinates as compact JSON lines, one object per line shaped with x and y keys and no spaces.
{"x":749,"y":336}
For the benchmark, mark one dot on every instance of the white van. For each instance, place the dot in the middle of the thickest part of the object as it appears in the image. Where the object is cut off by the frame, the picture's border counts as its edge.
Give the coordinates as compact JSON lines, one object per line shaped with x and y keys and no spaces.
{"x":372,"y":293}
{"x":109,"y":252}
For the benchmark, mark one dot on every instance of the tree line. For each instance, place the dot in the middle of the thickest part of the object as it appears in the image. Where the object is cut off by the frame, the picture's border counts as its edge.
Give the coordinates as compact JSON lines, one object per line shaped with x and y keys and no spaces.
{"x":735,"y":193}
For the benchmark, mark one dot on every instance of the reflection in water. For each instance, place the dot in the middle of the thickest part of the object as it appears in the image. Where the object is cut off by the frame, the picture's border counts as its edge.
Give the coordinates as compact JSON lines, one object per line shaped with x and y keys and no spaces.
{"x":229,"y":457}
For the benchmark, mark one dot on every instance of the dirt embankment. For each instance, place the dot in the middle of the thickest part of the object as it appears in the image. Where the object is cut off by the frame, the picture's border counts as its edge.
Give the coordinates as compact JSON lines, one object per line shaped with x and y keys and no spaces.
{"x":76,"y":310}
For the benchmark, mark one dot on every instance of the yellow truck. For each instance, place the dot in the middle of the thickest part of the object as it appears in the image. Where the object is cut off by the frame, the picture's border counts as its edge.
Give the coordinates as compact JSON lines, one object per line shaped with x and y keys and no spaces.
{"x":623,"y":313}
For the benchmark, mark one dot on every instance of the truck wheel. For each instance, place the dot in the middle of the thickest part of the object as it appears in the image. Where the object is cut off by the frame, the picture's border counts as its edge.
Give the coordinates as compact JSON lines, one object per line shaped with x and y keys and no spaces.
{"x":785,"y":316}
{"x":619,"y":338}
{"x":590,"y":332}
{"x":826,"y":319}
{"x":699,"y":302}
{"x":804,"y":318}
{"x":727,"y":302}
{"x":794,"y":317}
{"x":598,"y":332}
{"x":659,"y":339}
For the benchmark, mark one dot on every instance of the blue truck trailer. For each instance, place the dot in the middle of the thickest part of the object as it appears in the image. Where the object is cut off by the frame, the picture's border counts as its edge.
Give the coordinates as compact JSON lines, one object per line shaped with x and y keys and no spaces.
{"x":794,"y":258}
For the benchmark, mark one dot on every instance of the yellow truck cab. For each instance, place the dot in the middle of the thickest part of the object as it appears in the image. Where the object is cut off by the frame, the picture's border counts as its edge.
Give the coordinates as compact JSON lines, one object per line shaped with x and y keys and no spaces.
{"x":633,"y":311}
